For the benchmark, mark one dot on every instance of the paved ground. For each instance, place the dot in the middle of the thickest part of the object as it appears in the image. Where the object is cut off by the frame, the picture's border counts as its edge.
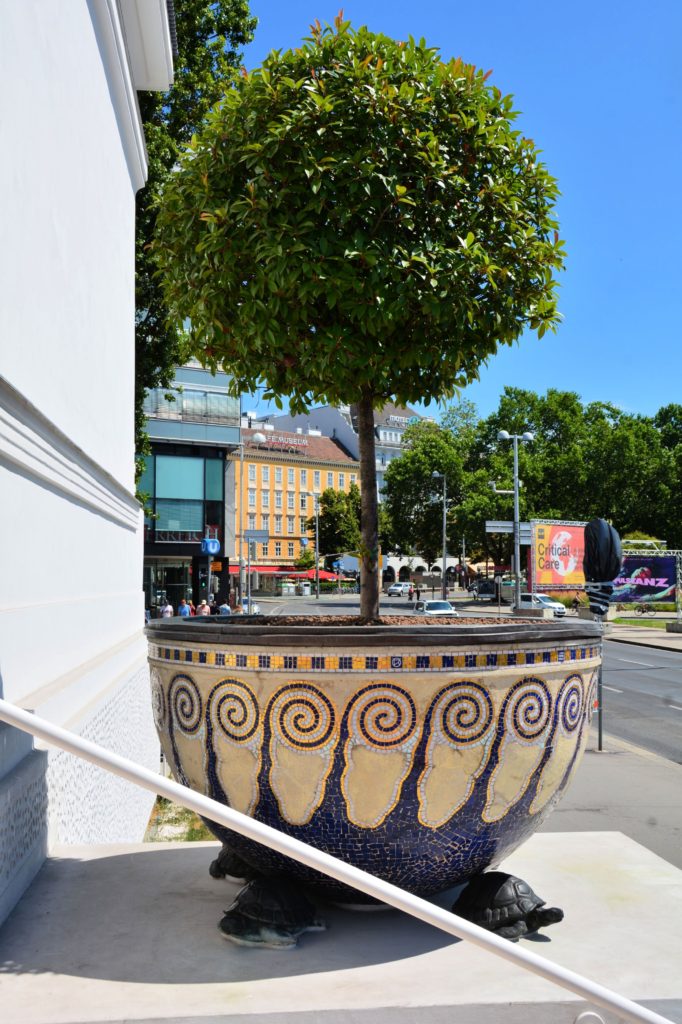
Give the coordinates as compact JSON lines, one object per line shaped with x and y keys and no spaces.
{"x":128,"y":934}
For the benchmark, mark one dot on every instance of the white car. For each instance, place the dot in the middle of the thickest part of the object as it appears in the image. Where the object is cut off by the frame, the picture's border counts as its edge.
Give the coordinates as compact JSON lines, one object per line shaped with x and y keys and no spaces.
{"x":542,"y":601}
{"x":436,"y":608}
{"x":398,"y":589}
{"x":250,"y":609}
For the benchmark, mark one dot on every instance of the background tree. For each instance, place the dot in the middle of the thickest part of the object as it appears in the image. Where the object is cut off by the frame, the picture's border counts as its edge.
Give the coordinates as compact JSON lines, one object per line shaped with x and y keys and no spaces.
{"x":338,"y":521}
{"x":359,"y":221}
{"x":208,"y":35}
{"x":306,"y":560}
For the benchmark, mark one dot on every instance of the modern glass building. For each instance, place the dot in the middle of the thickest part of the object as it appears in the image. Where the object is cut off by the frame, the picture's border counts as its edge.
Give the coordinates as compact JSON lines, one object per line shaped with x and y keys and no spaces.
{"x":193,"y":427}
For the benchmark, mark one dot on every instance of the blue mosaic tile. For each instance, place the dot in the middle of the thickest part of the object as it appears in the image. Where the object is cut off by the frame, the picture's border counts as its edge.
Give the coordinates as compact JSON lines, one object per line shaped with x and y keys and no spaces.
{"x":491,"y":659}
{"x":188,"y":655}
{"x":371,"y":663}
{"x":546,"y":657}
{"x":202,"y":657}
{"x":423,"y":661}
{"x":511,"y":658}
{"x":290,"y":661}
{"x":530,"y":657}
{"x":317,"y":661}
{"x":470,"y":661}
{"x":219,"y":658}
{"x":263,"y":661}
{"x":396,"y":661}
{"x":241,"y":661}
{"x":345,"y":662}
{"x":448,"y":661}
{"x":176,"y":655}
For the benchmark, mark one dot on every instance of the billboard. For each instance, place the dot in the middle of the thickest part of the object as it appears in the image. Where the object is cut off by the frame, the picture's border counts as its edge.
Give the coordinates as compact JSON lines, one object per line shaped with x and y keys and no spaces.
{"x":557,"y":550}
{"x":645,"y":578}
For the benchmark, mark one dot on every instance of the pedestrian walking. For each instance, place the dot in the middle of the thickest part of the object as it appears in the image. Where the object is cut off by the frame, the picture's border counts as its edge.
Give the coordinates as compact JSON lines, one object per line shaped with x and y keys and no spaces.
{"x":203,"y":608}
{"x":418,"y":591}
{"x":166,"y":610}
{"x":410,"y":593}
{"x":224,"y":608}
{"x":183,"y":609}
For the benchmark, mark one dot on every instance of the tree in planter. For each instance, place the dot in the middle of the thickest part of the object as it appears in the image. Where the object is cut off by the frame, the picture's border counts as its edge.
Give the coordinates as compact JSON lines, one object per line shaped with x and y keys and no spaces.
{"x":359,"y":221}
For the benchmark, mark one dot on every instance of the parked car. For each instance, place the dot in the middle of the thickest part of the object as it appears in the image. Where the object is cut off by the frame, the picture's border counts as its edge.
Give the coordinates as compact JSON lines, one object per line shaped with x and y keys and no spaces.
{"x":542,"y":601}
{"x":398,"y":589}
{"x":435,"y":608}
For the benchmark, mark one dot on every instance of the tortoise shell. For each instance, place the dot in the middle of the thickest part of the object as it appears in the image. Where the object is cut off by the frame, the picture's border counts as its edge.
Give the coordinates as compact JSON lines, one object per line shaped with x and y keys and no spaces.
{"x":496,"y":899}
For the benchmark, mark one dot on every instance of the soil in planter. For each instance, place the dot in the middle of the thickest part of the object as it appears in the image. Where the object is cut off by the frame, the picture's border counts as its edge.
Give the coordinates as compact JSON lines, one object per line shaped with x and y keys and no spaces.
{"x":389,"y":620}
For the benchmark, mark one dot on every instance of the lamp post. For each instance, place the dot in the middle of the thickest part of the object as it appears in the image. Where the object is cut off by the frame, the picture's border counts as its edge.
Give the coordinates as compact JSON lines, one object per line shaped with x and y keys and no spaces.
{"x":316,"y":510}
{"x":504,"y":435}
{"x":257,"y":438}
{"x":444,"y":587}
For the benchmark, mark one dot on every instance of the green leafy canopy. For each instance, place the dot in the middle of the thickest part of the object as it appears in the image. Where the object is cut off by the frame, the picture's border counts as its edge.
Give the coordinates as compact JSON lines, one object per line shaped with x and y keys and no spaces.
{"x":358,"y":217}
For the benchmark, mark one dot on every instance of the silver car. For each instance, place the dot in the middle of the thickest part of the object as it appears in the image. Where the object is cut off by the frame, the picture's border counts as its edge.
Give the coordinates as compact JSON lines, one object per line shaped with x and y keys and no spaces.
{"x":436,"y":608}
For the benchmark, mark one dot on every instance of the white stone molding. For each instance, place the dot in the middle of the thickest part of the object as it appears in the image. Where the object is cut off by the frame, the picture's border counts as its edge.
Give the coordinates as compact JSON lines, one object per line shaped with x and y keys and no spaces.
{"x":32,"y":444}
{"x":107,"y":23}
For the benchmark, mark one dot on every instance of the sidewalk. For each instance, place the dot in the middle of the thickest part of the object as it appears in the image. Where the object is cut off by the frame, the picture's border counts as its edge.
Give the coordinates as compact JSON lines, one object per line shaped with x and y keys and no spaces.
{"x":128,"y":934}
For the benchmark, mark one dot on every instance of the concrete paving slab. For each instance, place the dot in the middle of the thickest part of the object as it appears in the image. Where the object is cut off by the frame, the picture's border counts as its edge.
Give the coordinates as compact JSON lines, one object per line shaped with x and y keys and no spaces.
{"x":129,"y":934}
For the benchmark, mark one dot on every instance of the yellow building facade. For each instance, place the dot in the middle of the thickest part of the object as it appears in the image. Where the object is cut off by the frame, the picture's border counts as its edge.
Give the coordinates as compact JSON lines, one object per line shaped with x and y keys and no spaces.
{"x":276,"y":484}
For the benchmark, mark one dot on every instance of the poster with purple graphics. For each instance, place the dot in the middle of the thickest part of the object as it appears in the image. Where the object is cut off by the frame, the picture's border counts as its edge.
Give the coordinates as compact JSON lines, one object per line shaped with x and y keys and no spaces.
{"x":645,"y":578}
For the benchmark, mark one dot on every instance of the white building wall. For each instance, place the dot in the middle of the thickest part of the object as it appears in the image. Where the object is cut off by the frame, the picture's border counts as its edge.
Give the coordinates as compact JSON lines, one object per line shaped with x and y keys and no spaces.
{"x":71,"y":601}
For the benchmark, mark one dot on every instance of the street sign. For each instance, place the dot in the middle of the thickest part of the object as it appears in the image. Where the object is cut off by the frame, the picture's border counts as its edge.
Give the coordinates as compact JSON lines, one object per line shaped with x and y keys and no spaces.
{"x":261,"y":535}
{"x":216,"y":566}
{"x":507,"y":526}
{"x":210,"y":546}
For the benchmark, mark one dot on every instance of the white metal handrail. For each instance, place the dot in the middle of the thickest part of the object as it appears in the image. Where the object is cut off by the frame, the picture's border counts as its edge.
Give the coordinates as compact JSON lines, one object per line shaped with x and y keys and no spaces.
{"x":324,"y":862}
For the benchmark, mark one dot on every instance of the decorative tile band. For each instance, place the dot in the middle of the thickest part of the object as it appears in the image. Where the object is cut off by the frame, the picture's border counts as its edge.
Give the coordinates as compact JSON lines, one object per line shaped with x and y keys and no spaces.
{"x":481,"y":661}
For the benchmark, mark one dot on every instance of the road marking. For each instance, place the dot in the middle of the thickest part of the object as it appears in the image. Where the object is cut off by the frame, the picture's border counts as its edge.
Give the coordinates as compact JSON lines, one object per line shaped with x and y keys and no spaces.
{"x":631,"y":661}
{"x":612,"y":688}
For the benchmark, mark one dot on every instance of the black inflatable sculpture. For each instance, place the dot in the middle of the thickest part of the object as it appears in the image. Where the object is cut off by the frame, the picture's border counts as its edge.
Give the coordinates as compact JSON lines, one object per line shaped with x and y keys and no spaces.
{"x":601,"y":564}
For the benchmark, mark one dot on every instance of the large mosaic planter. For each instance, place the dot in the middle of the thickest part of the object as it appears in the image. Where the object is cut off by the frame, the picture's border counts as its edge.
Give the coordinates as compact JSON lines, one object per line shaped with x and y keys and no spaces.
{"x":421,"y":754}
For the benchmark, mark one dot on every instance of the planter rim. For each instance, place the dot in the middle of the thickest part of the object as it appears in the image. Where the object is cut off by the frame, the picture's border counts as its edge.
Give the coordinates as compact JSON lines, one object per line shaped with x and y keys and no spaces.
{"x":262,"y":631}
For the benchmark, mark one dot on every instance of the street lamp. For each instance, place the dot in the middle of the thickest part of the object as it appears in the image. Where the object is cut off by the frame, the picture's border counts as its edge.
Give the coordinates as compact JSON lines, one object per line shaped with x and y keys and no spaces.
{"x":504,"y":435}
{"x":316,"y":510}
{"x":257,"y":438}
{"x":441,"y":476}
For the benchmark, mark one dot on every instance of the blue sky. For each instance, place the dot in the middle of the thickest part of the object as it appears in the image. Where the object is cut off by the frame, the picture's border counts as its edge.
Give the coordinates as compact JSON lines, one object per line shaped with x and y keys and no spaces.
{"x":598,"y":85}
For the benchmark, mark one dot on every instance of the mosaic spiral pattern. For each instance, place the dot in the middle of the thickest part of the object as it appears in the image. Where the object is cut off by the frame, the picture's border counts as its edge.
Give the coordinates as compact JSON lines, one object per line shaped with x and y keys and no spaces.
{"x":233,"y":710}
{"x":185,"y":702}
{"x":463,"y":712}
{"x":158,"y":700}
{"x":571,"y":704}
{"x":302,"y":716}
{"x":385,"y":716}
{"x":528,"y":708}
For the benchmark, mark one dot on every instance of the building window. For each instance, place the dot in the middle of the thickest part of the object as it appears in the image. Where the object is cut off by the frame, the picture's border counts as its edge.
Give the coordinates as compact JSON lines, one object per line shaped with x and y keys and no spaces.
{"x":278,"y":474}
{"x":304,"y":526}
{"x":317,"y":479}
{"x":265,"y":475}
{"x":290,"y":524}
{"x":252,"y":521}
{"x":304,"y":502}
{"x":342,"y":481}
{"x":291,"y":499}
{"x":330,"y":479}
{"x":278,"y":524}
{"x":265,"y":499}
{"x":290,"y":549}
{"x":187,"y":495}
{"x":252,"y":497}
{"x":278,"y":549}
{"x":252,"y":473}
{"x":353,"y":479}
{"x":278,"y":499}
{"x":265,"y":521}
{"x":304,"y":478}
{"x":264,"y":550}
{"x":290,"y":477}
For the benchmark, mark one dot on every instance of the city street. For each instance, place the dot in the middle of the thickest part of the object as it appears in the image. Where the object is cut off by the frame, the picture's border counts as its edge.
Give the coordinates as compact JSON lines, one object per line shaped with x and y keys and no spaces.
{"x":642,"y":687}
{"x":642,"y":697}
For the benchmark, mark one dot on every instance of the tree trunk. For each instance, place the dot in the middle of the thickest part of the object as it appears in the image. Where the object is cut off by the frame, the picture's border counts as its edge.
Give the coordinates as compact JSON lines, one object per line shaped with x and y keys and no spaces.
{"x":369,"y":511}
